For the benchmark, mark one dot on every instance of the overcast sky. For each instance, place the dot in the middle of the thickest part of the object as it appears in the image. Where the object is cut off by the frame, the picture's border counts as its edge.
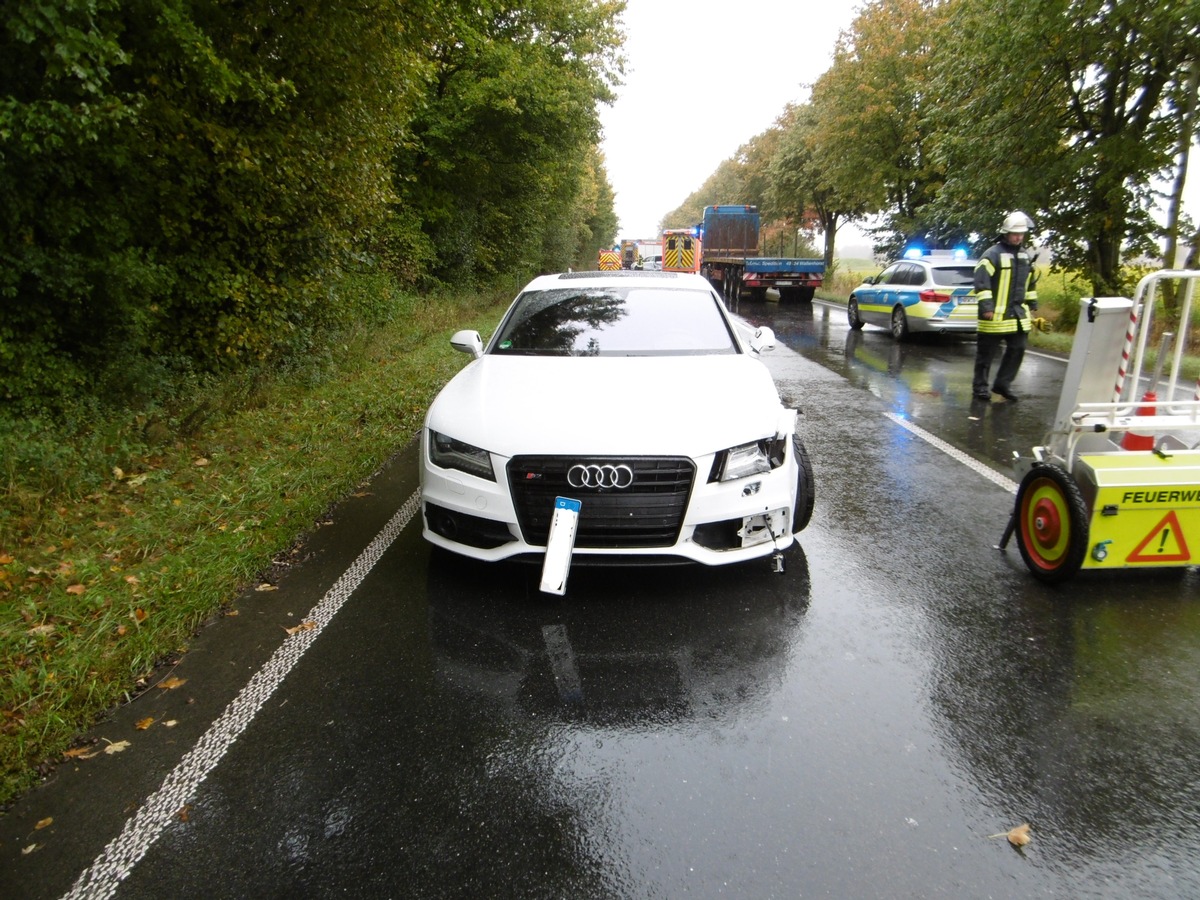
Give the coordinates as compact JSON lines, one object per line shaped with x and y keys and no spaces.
{"x":704,"y":77}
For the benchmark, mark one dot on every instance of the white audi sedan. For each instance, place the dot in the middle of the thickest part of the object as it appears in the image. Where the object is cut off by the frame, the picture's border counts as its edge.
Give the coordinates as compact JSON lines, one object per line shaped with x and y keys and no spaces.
{"x":633,"y":394}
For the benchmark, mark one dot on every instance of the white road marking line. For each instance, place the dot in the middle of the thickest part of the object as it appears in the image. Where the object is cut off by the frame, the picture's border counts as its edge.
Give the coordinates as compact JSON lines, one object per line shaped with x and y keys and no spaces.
{"x":950,"y":450}
{"x":117,"y":860}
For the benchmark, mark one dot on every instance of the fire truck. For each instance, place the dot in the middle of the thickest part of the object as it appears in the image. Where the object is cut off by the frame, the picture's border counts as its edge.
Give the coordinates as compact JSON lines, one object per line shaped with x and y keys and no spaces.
{"x":681,"y":250}
{"x":629,"y":254}
{"x":609,"y":261}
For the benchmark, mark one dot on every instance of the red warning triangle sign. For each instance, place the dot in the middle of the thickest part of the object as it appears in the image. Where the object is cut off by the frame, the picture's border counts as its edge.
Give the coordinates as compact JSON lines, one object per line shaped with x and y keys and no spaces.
{"x":1164,"y":537}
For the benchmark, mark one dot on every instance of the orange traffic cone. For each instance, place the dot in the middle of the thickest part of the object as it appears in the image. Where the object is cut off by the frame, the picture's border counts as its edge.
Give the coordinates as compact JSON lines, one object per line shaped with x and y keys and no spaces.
{"x":1135,"y":440}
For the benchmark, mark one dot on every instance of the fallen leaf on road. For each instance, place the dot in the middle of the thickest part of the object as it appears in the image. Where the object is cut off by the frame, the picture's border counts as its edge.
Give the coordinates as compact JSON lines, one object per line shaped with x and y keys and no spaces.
{"x":170,"y":723}
{"x":145,"y":723}
{"x":266,"y":586}
{"x":25,"y":851}
{"x":1018,"y":836}
{"x":303,"y":626}
{"x":171,"y":683}
{"x":183,"y":812}
{"x":118,"y":747}
{"x":44,"y":823}
{"x":80,"y":753}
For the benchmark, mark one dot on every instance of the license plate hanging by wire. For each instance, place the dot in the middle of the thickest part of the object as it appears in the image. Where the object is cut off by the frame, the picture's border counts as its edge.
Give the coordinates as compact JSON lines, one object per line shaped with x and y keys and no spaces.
{"x":559,"y":545}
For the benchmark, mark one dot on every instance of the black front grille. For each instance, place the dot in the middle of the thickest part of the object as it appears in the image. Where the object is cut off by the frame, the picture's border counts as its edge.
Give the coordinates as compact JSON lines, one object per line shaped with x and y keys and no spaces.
{"x":648,"y":513}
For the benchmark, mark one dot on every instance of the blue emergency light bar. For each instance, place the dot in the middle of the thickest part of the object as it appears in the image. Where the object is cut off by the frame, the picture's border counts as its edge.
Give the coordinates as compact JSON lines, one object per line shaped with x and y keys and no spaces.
{"x":916,"y":252}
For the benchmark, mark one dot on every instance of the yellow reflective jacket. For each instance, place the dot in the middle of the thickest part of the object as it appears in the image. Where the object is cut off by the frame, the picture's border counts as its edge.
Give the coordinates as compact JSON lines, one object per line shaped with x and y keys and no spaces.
{"x":1005,"y":286}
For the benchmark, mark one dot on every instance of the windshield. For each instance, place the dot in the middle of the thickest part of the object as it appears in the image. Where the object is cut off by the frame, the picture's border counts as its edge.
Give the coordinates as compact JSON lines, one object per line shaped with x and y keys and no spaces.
{"x":614,"y":321}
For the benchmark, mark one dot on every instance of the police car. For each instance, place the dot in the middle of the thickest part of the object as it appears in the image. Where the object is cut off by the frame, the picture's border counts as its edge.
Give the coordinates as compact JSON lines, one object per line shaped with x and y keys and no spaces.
{"x":923,"y":292}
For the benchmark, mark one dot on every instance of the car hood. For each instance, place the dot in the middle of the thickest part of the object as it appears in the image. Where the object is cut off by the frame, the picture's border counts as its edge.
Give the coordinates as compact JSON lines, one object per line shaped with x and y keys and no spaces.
{"x":682,"y":405}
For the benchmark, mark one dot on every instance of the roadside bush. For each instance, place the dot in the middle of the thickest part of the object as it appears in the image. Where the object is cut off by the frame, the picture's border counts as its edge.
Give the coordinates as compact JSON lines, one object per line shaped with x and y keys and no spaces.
{"x":1058,"y":298}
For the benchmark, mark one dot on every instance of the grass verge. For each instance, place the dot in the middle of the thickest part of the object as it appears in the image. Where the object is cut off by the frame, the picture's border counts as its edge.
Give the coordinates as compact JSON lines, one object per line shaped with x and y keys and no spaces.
{"x":118,"y":539}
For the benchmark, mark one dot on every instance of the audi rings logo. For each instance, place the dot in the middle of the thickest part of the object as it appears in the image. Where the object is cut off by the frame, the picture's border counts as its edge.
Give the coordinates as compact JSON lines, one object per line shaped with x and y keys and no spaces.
{"x":600,"y":477}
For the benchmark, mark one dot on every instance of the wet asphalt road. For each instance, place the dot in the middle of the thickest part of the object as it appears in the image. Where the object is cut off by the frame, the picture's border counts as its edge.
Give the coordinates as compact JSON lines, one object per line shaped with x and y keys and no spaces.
{"x":860,"y":726}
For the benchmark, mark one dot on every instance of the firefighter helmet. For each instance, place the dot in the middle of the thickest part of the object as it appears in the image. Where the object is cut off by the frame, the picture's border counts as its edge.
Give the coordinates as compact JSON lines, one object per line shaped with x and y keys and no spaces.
{"x":1016,"y":222}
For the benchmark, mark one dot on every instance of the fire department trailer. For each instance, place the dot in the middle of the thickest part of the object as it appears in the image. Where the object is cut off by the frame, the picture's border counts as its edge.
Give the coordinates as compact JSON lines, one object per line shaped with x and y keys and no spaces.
{"x":1117,"y":483}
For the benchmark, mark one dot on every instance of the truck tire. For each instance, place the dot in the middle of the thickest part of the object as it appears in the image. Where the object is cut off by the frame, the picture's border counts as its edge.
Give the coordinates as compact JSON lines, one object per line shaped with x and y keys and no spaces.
{"x":734,"y":281}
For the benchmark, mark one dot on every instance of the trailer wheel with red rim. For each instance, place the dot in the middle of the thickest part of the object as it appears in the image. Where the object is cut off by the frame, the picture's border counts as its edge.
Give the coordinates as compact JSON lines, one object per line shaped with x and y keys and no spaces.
{"x":1052,"y":523}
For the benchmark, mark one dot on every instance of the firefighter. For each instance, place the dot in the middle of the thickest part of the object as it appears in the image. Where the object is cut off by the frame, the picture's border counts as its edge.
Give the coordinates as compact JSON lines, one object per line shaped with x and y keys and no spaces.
{"x":1006,"y":291}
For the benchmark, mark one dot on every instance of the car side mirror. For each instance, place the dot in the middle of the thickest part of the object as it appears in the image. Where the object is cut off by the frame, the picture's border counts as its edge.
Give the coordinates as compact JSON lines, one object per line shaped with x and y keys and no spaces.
{"x":467,"y":342}
{"x":870,"y":279}
{"x":762,"y":339}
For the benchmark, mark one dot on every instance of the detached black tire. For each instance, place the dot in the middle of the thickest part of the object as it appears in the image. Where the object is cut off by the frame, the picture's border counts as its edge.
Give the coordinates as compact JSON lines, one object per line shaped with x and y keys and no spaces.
{"x":1052,"y":523}
{"x":806,"y":488}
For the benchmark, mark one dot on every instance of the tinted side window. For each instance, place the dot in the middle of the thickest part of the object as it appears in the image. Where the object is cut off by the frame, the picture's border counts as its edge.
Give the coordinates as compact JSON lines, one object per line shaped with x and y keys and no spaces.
{"x":954,"y":276}
{"x":912,"y":274}
{"x":888,"y":275}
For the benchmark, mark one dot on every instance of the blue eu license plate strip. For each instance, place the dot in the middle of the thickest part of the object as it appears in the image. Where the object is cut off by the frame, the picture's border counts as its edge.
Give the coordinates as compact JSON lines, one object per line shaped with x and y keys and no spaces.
{"x":559,"y":545}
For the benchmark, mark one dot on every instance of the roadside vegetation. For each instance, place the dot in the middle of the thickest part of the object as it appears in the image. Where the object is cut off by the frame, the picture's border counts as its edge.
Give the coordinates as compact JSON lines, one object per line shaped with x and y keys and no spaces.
{"x":121,"y":532}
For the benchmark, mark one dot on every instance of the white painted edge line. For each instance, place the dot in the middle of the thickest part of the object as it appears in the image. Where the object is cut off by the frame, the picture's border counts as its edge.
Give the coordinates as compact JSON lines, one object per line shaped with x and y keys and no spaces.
{"x":141,"y":830}
{"x":950,"y":450}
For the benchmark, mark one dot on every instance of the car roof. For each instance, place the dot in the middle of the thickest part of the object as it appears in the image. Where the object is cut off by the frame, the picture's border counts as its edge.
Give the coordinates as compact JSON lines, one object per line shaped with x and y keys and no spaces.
{"x":939,"y":262}
{"x":618,"y":278}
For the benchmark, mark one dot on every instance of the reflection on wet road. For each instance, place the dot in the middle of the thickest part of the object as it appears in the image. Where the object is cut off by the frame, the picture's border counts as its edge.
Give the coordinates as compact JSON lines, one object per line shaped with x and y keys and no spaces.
{"x":926,"y":379}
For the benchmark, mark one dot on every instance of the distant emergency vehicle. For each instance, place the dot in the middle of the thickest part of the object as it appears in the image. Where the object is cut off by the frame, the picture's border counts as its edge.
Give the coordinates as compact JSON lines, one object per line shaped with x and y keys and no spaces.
{"x":681,"y":250}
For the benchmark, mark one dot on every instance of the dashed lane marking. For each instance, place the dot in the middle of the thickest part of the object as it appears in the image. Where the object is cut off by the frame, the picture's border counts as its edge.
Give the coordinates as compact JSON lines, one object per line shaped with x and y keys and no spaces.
{"x":116,"y":861}
{"x":950,"y":450}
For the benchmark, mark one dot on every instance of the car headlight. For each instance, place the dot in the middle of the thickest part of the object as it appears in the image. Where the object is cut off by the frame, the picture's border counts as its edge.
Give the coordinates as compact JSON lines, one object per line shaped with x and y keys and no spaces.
{"x":448,"y":453}
{"x":745,"y":460}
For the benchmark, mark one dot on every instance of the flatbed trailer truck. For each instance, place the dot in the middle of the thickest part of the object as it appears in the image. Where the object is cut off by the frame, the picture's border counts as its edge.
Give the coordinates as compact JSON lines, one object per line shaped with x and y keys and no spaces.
{"x":730,"y":259}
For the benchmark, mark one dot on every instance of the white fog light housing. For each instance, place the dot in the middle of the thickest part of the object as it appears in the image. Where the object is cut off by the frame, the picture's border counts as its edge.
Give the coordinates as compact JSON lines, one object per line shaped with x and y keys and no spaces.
{"x":449,"y":453}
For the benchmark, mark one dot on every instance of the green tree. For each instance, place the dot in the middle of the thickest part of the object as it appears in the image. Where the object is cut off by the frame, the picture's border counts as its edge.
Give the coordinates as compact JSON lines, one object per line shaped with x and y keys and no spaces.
{"x":807,"y":178}
{"x":1071,"y":111}
{"x":872,"y":104}
{"x":183,"y":179}
{"x":742,"y":179}
{"x":597,"y":215}
{"x":500,"y":149}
